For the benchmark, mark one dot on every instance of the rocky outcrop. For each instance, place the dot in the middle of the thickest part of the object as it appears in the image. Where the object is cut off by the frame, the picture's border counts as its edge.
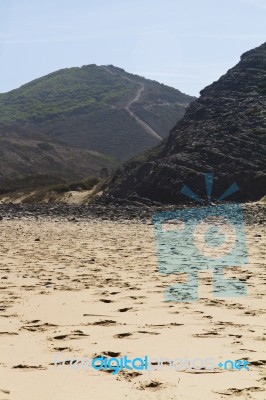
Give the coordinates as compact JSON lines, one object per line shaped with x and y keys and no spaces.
{"x":222,"y":132}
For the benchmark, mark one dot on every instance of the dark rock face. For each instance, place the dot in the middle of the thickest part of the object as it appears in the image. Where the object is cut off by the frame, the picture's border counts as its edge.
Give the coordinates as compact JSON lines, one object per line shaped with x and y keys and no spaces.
{"x":222,"y":132}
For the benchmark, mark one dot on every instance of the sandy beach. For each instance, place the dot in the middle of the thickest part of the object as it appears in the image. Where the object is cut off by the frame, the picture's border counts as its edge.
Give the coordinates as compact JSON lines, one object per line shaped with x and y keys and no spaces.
{"x":88,"y":288}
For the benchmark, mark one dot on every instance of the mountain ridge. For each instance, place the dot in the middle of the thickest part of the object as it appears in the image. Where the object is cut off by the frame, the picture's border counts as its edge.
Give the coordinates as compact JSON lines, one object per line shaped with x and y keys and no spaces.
{"x":91,"y":107}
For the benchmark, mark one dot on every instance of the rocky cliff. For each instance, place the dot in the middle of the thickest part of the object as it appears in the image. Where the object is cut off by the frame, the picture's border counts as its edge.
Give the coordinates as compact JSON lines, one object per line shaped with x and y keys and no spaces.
{"x":222,"y":132}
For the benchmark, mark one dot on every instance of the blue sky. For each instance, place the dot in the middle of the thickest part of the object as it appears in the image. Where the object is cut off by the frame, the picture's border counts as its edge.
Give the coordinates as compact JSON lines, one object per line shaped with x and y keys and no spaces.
{"x":186,"y":44}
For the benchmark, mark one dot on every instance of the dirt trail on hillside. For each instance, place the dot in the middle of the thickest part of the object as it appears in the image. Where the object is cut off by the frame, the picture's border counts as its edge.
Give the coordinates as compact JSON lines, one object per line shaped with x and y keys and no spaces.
{"x":139,"y":121}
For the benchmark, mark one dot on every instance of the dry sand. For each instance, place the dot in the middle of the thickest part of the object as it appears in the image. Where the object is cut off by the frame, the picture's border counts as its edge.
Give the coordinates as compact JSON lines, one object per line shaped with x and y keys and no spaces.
{"x":92,"y":287}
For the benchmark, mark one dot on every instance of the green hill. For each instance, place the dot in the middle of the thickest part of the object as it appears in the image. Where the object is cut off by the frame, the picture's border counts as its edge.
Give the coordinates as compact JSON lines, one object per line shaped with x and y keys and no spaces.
{"x":102,"y":109}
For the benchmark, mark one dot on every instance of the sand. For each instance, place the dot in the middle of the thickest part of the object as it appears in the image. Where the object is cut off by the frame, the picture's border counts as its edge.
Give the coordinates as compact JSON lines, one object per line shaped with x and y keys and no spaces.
{"x":90,"y":288}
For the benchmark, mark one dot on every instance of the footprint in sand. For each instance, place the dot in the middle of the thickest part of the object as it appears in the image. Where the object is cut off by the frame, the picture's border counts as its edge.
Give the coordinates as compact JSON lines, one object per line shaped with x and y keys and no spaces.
{"x":152,"y":385}
{"x":122,"y":335}
{"x":239,"y":392}
{"x":22,"y":366}
{"x":258,"y":362}
{"x":75,"y":335}
{"x":162,"y":326}
{"x":111,"y":353}
{"x":38,"y":327}
{"x":208,"y":335}
{"x":5,"y":391}
{"x":125,"y":309}
{"x":62,"y":349}
{"x":106,"y":301}
{"x":106,"y":322}
{"x":128,"y":375}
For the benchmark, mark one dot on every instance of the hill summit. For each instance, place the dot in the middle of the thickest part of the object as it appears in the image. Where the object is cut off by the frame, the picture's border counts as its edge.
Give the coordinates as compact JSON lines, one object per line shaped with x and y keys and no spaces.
{"x":99,"y":108}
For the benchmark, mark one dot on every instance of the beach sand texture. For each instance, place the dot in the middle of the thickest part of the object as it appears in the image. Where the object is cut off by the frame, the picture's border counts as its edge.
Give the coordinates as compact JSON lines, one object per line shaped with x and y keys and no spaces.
{"x":90,"y":288}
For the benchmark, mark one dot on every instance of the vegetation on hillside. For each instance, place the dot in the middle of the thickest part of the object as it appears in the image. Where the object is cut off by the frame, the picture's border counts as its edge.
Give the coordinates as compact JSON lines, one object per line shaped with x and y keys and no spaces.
{"x":66,"y":91}
{"x":85,"y":107}
{"x":24,"y":153}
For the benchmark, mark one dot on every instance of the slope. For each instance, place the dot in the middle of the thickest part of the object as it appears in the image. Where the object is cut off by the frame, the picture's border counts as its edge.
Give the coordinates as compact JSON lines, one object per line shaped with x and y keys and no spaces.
{"x":222,"y":132}
{"x":100,"y":108}
{"x":25,"y":152}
